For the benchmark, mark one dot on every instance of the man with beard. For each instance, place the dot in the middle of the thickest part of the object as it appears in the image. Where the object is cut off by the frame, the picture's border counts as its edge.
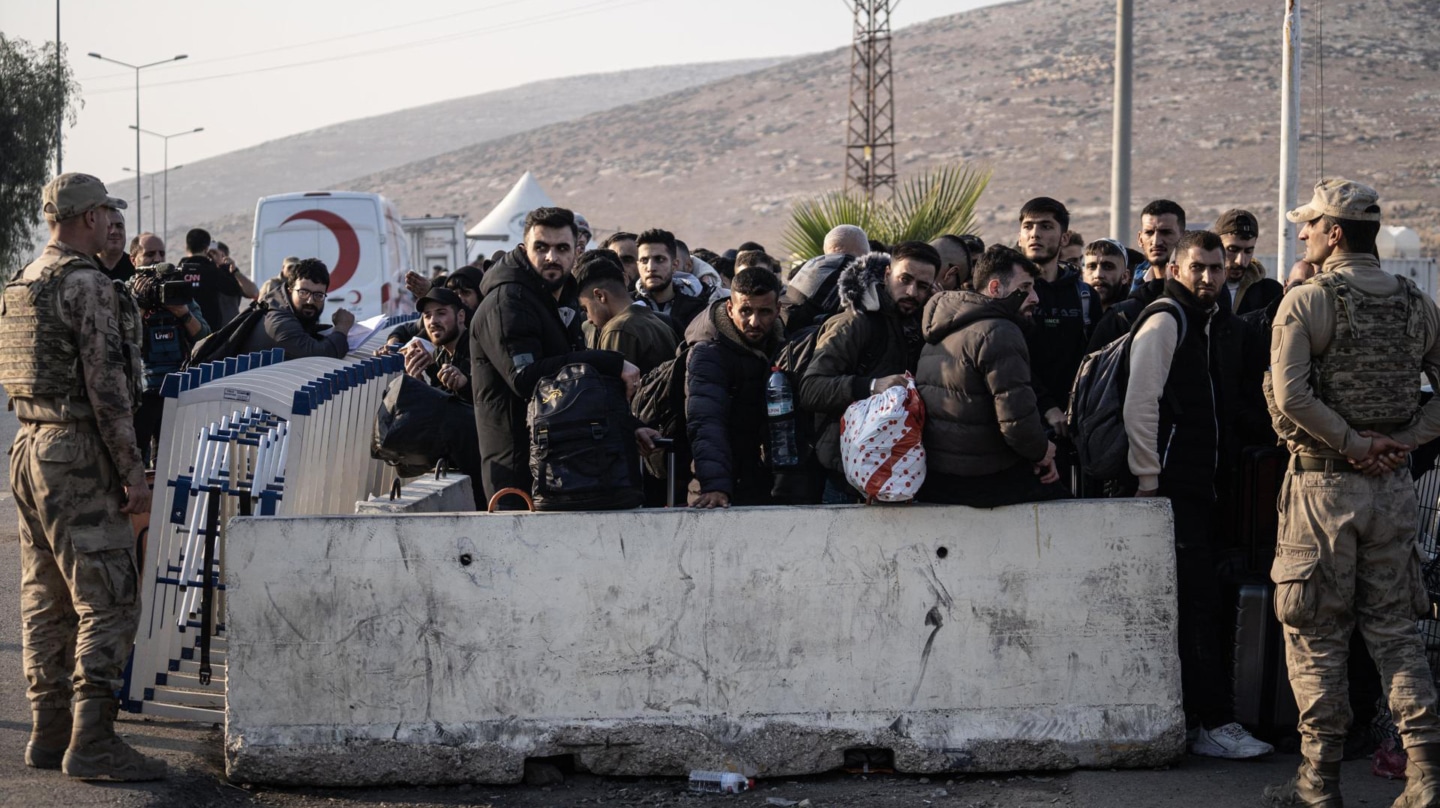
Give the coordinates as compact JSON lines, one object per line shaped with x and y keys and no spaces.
{"x":443,"y":318}
{"x":656,"y":287}
{"x":869,"y":346}
{"x":1064,"y":316}
{"x":1161,"y":224}
{"x":984,"y":439}
{"x":518,"y":337}
{"x":113,"y":260}
{"x":1245,"y":283}
{"x":1104,"y":269}
{"x":1171,"y":420}
{"x":295,"y":325}
{"x":726,"y":371}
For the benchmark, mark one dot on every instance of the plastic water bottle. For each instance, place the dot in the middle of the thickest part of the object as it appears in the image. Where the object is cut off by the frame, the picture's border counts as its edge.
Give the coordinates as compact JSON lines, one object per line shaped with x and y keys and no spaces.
{"x":784,"y":444}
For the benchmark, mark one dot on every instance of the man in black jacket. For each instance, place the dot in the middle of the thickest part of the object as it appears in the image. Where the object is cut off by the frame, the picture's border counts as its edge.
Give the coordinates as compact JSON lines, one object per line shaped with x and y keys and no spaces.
{"x":518,"y":338}
{"x":657,"y":288}
{"x":726,"y":371}
{"x":208,"y":281}
{"x":293,"y":322}
{"x":867,"y":347}
{"x":1067,"y":311}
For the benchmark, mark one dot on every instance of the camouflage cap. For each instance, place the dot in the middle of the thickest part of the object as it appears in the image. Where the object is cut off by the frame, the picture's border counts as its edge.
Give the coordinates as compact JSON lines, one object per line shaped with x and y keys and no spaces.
{"x":1236,"y":222}
{"x":70,"y":195}
{"x":1339,"y":198}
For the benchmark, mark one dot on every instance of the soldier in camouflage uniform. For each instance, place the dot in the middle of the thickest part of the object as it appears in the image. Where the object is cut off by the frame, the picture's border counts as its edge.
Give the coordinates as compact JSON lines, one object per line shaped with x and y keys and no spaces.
{"x":70,"y":365}
{"x":1347,"y":352}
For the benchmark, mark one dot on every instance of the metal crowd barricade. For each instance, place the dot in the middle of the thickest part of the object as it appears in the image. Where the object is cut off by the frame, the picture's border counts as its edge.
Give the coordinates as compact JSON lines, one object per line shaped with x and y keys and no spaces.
{"x":250,"y":435}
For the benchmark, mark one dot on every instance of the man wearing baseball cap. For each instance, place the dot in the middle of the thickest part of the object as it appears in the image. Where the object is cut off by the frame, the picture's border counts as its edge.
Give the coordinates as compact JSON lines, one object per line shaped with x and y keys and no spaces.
{"x":71,"y":367}
{"x":1245,"y":283}
{"x":1348,"y":349}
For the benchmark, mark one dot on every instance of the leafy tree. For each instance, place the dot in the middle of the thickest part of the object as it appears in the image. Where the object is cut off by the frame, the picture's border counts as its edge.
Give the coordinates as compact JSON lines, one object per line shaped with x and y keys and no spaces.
{"x":924,"y":208}
{"x":32,"y":99}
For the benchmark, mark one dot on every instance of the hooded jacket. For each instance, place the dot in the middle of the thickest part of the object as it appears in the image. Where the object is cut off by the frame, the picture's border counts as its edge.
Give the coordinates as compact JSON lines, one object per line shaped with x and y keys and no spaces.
{"x":974,"y":375}
{"x":517,"y":337}
{"x":283,"y":328}
{"x":1255,"y":291}
{"x":808,"y":298}
{"x":725,"y":408}
{"x":866,"y":340}
{"x":689,"y":301}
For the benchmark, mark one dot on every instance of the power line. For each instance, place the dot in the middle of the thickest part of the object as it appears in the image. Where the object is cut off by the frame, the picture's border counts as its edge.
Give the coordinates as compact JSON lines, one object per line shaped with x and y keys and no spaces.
{"x":387,"y":29}
{"x":557,"y":16}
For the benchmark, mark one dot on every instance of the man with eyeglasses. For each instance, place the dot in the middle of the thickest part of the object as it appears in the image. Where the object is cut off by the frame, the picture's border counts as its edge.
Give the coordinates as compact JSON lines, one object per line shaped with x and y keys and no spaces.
{"x":296,"y":327}
{"x":869,"y":346}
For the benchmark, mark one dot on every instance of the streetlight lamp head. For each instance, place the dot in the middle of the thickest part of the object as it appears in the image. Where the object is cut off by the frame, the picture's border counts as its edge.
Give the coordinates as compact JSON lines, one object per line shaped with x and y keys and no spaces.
{"x":95,"y":55}
{"x":199,"y":129}
{"x":181,"y":56}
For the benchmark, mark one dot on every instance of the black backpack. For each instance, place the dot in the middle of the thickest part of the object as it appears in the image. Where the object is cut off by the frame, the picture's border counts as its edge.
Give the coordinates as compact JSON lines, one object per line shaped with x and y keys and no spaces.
{"x":583,"y":455}
{"x":417,"y":425}
{"x":659,"y":400}
{"x":1097,"y":401}
{"x":230,"y":340}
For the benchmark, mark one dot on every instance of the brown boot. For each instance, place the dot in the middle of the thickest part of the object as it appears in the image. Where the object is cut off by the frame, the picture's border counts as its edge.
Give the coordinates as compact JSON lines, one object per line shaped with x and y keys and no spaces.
{"x":49,"y":734}
{"x":1312,"y":785}
{"x":1422,"y":778}
{"x":95,"y":752}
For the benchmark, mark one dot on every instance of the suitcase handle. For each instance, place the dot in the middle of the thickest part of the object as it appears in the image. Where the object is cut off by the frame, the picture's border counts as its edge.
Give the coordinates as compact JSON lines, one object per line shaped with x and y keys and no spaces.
{"x":504,"y":492}
{"x":668,"y":445}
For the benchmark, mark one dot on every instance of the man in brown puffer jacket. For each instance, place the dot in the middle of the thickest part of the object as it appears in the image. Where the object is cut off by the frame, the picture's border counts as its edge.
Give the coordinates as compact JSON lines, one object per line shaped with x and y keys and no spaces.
{"x":985,"y":442}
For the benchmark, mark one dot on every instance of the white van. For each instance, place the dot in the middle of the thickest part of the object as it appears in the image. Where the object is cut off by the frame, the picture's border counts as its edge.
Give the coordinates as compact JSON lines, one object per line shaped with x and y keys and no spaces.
{"x":357,"y":235}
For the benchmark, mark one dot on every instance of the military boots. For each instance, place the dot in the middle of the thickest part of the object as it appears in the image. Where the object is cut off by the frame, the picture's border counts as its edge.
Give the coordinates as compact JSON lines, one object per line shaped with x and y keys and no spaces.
{"x":95,"y":752}
{"x":49,"y":735}
{"x":1312,"y":785}
{"x":1422,"y":778}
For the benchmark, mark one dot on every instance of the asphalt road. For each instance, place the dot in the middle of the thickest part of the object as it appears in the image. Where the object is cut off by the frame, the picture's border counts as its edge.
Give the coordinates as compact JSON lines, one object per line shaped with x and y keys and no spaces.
{"x":194,"y":752}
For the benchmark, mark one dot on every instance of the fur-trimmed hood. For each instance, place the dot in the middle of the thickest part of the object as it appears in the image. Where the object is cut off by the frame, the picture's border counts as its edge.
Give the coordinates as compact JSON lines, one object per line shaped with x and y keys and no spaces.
{"x":862,"y":283}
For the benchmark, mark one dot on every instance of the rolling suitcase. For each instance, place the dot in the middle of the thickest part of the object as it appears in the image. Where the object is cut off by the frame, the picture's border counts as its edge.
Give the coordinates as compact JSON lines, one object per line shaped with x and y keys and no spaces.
{"x":1261,"y":685}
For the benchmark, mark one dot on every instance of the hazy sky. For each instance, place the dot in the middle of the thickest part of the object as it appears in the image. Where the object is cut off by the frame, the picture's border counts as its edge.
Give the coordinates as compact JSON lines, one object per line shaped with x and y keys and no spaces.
{"x":262,"y":69}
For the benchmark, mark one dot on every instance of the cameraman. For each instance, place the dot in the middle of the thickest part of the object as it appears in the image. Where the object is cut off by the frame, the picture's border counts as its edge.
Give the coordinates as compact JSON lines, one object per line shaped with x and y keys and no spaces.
{"x":171,"y":323}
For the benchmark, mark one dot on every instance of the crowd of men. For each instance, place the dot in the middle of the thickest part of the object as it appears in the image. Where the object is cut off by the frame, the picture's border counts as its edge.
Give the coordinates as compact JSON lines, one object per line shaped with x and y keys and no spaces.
{"x":1221,"y":358}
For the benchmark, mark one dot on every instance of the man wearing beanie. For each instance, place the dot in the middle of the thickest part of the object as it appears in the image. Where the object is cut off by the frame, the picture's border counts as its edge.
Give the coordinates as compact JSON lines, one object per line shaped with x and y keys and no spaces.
{"x":1245,"y":283}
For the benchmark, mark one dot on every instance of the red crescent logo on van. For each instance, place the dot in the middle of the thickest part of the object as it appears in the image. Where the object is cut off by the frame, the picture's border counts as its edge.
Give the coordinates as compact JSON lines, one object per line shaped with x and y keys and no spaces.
{"x":349,"y":259}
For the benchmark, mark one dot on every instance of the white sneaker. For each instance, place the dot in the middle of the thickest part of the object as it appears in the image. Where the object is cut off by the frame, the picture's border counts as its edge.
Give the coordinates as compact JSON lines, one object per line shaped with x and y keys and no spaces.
{"x":1230,"y":741}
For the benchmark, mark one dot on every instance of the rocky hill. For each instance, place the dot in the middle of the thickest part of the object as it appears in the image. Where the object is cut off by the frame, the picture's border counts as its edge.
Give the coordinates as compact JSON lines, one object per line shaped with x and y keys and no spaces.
{"x":1023,"y":87}
{"x":225,"y":187}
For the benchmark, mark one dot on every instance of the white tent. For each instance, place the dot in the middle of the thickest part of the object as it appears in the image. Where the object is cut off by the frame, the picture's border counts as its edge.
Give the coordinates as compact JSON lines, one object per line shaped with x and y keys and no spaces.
{"x":503,"y":228}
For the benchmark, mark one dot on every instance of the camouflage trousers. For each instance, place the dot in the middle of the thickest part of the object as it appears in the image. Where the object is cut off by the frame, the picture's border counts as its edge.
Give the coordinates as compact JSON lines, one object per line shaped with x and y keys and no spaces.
{"x":79,"y":604}
{"x":1348,"y":557}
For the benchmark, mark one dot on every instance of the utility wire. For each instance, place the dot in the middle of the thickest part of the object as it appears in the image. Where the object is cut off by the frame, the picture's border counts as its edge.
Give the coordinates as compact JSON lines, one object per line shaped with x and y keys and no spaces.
{"x":558,"y":16}
{"x":387,"y":29}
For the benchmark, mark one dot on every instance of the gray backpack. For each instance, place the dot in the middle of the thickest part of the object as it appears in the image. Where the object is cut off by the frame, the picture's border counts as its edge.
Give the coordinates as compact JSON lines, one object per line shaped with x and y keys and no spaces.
{"x":1097,"y":401}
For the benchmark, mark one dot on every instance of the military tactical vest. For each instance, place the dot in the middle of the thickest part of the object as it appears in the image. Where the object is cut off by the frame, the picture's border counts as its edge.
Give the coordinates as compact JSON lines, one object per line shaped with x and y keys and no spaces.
{"x":1370,"y":373}
{"x":38,"y":355}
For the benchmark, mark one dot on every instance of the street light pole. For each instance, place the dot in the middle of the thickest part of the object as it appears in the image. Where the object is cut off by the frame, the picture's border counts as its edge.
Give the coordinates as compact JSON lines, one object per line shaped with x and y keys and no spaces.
{"x":1120,"y":134}
{"x":139,"y":214}
{"x":165,"y":227}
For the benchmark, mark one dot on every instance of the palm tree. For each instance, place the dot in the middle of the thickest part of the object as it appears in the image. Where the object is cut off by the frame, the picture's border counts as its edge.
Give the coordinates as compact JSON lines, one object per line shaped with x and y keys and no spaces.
{"x":926,"y":207}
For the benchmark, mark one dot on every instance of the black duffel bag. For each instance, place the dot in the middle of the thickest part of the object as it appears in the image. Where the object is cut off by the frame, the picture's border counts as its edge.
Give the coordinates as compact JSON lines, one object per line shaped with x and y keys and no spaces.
{"x":417,"y":425}
{"x":583,"y":455}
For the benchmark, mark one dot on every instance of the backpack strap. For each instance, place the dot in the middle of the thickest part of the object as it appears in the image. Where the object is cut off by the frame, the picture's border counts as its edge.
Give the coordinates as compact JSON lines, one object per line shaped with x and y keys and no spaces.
{"x":1084,"y":289}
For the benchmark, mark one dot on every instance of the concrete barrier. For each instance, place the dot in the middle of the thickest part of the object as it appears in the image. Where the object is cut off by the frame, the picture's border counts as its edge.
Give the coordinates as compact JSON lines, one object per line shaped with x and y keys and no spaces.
{"x":449,"y":648}
{"x":451,"y":493}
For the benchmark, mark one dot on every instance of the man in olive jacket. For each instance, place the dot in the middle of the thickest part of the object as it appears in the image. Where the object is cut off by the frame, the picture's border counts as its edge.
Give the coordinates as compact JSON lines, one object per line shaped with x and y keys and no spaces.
{"x":867,"y":347}
{"x":985,"y":443}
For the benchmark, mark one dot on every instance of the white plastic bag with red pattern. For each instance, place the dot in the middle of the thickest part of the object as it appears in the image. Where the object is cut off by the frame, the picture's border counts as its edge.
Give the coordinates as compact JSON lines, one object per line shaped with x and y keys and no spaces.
{"x":880,"y":444}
